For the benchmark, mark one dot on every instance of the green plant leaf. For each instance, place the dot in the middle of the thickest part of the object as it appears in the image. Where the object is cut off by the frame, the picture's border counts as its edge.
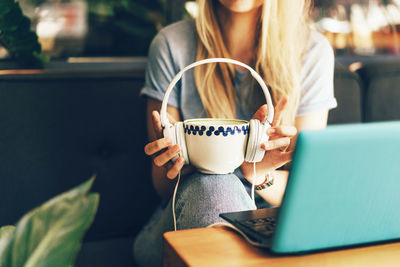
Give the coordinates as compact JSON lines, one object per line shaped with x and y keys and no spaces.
{"x":5,"y":6}
{"x":50,"y":235}
{"x":5,"y":234}
{"x":62,"y":242}
{"x":22,"y":41}
{"x":11,"y":20}
{"x":5,"y":231}
{"x":16,"y":36}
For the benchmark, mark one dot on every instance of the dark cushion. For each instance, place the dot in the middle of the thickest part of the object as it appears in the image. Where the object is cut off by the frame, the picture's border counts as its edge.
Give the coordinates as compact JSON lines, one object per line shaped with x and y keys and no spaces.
{"x":58,"y":128}
{"x":382,"y":91}
{"x":116,"y":252}
{"x":348,"y":95}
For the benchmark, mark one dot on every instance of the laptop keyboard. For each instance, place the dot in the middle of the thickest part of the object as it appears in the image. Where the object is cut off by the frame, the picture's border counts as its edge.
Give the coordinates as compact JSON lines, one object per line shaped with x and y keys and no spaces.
{"x":263,"y":226}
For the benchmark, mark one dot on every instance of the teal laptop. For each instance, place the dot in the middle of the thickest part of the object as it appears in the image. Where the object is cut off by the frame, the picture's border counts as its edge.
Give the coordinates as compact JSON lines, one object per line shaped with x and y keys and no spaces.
{"x":343,"y":190}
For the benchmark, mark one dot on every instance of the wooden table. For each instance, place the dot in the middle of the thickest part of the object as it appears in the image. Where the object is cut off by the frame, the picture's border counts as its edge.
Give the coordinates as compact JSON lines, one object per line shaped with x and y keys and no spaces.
{"x":223,"y":247}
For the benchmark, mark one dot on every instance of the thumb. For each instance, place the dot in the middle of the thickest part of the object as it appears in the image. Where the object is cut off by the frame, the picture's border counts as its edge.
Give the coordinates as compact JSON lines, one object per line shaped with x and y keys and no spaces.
{"x":157,"y":123}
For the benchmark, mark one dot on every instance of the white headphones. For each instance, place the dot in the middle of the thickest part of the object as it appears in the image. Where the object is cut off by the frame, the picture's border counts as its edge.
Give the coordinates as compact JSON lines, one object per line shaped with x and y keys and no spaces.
{"x":257,"y":130}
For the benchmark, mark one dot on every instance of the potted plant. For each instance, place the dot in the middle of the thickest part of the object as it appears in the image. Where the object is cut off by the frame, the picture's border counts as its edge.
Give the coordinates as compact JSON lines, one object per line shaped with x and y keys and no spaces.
{"x":51,"y":234}
{"x":15,"y":36}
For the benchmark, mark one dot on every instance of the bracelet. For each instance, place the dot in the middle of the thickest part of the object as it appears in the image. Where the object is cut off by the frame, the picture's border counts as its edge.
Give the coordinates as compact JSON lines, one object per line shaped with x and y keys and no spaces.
{"x":269,"y":180}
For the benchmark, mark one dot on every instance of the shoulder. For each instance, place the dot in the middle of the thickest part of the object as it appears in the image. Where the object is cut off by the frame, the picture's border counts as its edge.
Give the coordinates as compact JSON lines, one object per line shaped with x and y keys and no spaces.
{"x":177,"y":40}
{"x":173,"y":48}
{"x":318,"y":41}
{"x":317,"y":76}
{"x":181,"y":30}
{"x":318,"y":50}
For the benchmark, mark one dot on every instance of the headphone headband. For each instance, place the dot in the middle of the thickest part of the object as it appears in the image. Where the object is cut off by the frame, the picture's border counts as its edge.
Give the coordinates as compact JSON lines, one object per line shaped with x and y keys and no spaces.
{"x":256,"y":76}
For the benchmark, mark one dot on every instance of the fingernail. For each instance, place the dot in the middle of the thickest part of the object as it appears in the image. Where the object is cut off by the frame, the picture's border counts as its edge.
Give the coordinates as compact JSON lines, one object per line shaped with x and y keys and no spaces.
{"x":264,"y":146}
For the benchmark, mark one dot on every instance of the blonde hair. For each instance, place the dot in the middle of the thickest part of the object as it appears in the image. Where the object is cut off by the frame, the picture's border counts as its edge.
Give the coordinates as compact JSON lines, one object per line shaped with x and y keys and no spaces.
{"x":282,"y":39}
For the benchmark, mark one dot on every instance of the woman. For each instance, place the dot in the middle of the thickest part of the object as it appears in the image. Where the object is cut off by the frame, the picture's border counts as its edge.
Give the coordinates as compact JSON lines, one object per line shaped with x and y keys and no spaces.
{"x":274,"y":37}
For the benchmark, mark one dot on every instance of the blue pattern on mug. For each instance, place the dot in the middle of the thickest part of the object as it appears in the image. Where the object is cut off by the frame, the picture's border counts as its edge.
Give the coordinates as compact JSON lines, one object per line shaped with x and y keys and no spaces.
{"x":229,"y":130}
{"x":194,"y":129}
{"x":210,"y":131}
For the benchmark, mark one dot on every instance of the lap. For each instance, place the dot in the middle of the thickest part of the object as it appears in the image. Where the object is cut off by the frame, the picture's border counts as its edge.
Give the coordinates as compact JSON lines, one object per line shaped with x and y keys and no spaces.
{"x":199,"y":201}
{"x":201,"y":198}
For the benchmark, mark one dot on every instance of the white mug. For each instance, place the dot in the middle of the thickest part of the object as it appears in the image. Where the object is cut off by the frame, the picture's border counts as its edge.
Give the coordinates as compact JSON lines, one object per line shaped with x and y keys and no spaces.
{"x":218,"y":146}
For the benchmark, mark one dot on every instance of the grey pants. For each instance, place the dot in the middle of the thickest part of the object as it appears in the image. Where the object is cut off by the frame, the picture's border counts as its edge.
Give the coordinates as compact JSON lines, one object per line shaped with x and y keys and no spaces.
{"x":199,"y":201}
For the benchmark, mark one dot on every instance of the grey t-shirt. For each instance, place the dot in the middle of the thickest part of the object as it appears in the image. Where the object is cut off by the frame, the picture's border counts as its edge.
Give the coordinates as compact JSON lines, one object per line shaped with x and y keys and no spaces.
{"x":174,"y":47}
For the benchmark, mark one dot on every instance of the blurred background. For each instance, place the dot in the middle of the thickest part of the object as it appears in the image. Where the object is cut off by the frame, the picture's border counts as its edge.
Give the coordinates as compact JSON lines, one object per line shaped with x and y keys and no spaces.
{"x":80,"y":113}
{"x":124,"y":28}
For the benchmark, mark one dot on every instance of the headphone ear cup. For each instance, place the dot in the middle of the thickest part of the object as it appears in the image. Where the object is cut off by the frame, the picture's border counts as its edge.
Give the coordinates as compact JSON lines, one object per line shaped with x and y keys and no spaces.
{"x":177,"y":135}
{"x":181,"y":141}
{"x":257,"y":136}
{"x":169,"y":131}
{"x":253,"y":133}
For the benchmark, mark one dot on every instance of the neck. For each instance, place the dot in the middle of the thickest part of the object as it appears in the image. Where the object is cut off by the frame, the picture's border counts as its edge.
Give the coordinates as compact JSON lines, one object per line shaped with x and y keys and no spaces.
{"x":239,"y":32}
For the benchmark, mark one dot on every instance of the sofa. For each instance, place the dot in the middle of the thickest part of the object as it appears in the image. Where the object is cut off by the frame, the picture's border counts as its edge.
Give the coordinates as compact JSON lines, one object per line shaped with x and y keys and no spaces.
{"x":61,"y":125}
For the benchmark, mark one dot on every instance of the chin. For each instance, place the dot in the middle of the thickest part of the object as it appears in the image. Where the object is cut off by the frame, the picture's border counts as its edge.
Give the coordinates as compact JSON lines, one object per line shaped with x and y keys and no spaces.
{"x":241,"y":6}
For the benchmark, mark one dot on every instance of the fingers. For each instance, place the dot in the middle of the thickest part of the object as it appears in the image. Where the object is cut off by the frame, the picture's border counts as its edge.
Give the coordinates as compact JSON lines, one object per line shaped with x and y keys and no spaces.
{"x":276,"y":143}
{"x":278,"y":110}
{"x":156,"y":146}
{"x":283,"y":130}
{"x":161,"y":149}
{"x":176,"y":168}
{"x":166,"y":156}
{"x":155,"y":116}
{"x":261,"y":113}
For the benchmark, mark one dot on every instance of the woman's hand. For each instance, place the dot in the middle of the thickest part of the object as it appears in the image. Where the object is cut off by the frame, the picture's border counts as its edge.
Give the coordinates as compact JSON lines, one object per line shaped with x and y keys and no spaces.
{"x":279,"y":137}
{"x":162,"y":149}
{"x":276,"y":147}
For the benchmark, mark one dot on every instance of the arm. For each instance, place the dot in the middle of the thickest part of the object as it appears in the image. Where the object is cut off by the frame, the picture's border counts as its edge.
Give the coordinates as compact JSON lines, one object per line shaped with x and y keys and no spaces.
{"x":163,"y":172}
{"x":282,"y":138}
{"x":317,"y":94}
{"x":313,"y":121}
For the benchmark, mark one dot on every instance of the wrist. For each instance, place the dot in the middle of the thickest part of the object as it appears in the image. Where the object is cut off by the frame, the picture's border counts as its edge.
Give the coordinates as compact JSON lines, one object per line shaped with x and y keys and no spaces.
{"x":247,"y":169}
{"x":248,"y":173}
{"x":268,"y":181}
